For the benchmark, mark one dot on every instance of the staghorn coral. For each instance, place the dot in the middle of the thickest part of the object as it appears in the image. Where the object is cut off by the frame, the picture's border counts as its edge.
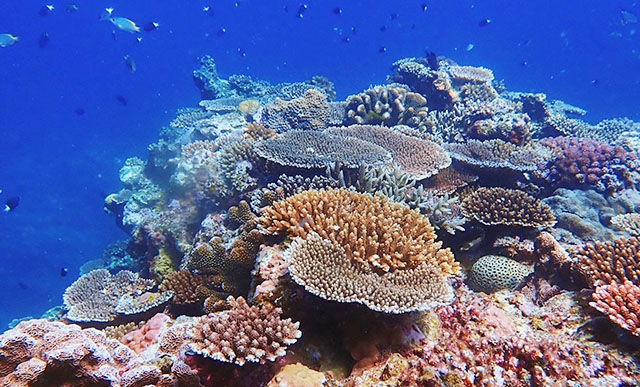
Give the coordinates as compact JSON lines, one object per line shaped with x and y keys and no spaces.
{"x":499,"y":154}
{"x":373,"y":230}
{"x":185,"y":285}
{"x":242,"y":334}
{"x":620,"y":302}
{"x":315,"y":149}
{"x":629,"y":223}
{"x":588,"y":162}
{"x":494,"y":272}
{"x":94,"y":297}
{"x":501,"y":206}
{"x":309,"y":112}
{"x":416,"y":157}
{"x":324,"y":269}
{"x":387,"y":105}
{"x":255,"y":132}
{"x":611,"y":261}
{"x":38,"y":352}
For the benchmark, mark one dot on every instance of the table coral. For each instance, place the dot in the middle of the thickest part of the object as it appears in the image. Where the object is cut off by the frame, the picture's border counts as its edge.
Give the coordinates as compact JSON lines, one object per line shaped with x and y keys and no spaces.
{"x":620,"y":302}
{"x":500,"y":154}
{"x":242,"y":334}
{"x":324,"y":269}
{"x":373,"y":230}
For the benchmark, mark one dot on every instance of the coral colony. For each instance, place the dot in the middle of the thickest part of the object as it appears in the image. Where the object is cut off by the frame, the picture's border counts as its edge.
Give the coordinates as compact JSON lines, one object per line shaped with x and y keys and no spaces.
{"x":437,"y":230}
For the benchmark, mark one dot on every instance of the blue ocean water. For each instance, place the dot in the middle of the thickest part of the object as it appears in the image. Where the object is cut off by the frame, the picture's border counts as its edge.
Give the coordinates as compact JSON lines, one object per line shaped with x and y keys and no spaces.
{"x":62,"y":164}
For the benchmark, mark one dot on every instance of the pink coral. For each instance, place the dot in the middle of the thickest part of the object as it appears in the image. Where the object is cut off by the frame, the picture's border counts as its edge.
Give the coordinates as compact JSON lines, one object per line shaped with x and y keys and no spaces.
{"x":140,"y":339}
{"x":621,"y":303}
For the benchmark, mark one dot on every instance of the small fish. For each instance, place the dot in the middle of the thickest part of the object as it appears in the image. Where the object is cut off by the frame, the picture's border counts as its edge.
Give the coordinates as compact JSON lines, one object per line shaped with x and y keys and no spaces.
{"x":130,"y":63}
{"x":346,"y":39}
{"x":394,"y":16}
{"x":627,"y":17}
{"x":151,"y":26}
{"x":484,"y":22}
{"x":432,"y":59}
{"x":470,"y":46}
{"x":63,"y":271}
{"x":44,"y":40}
{"x":11,"y":203}
{"x":595,"y":82}
{"x":423,"y":7}
{"x":23,"y":286}
{"x":46,"y":9}
{"x":124,"y":24}
{"x":383,"y":28}
{"x":79,"y":111}
{"x":206,"y":8}
{"x":382,"y":50}
{"x":221,"y":31}
{"x":524,"y":63}
{"x":113,"y":35}
{"x":301,"y":9}
{"x":72,"y":8}
{"x":7,"y":40}
{"x":106,"y":14}
{"x":337,"y":11}
{"x":122,"y":100}
{"x":139,"y":39}
{"x":353,"y":30}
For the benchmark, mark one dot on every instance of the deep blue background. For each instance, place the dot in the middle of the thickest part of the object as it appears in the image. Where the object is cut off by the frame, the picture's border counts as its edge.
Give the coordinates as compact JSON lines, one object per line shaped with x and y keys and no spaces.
{"x":62,"y":165}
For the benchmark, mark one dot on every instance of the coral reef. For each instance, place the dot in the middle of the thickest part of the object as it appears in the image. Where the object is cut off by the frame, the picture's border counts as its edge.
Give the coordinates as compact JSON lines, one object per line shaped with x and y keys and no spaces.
{"x":309,"y":112}
{"x":611,"y":261}
{"x":621,"y":303}
{"x":242,"y":334}
{"x":501,"y":206}
{"x":629,"y":223}
{"x":387,"y":105}
{"x":494,"y":272}
{"x":499,"y":154}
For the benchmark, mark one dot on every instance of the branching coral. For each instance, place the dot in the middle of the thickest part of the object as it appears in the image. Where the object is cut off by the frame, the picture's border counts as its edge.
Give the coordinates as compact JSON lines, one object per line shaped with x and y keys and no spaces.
{"x":501,"y":206}
{"x":315,"y":149}
{"x":416,"y":157}
{"x":494,"y":272}
{"x":499,"y":154}
{"x":373,"y":230}
{"x":387,"y":105}
{"x":310,"y":111}
{"x":620,"y":302}
{"x":611,"y":261}
{"x":243,"y":334}
{"x":324,"y":269}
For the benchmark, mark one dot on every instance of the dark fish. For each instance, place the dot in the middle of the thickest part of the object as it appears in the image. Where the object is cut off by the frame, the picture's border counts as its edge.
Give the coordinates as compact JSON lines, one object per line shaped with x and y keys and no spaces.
{"x":113,"y":34}
{"x":286,"y":9}
{"x":595,"y":82}
{"x":382,"y":50}
{"x":484,"y":22}
{"x":432,"y":60}
{"x":63,"y":271}
{"x":337,"y":10}
{"x":44,"y":40}
{"x":242,"y":52}
{"x":22,"y":286}
{"x":394,"y":16}
{"x":45,"y":10}
{"x":151,"y":26}
{"x":353,"y":30}
{"x":79,"y":111}
{"x":301,"y":9}
{"x":524,"y":63}
{"x":383,"y":28}
{"x":71,"y":8}
{"x":423,"y":7}
{"x":11,"y":203}
{"x":221,"y":31}
{"x":346,"y":39}
{"x":122,"y":100}
{"x":130,"y":63}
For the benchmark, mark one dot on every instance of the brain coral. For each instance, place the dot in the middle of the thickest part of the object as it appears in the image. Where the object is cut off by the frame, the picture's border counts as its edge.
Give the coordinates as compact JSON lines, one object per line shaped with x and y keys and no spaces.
{"x":387,"y":105}
{"x":494,"y":272}
{"x":373,"y":230}
{"x":611,"y":261}
{"x":95,"y":296}
{"x":310,"y":111}
{"x":315,"y":149}
{"x":414,"y":156}
{"x":324,"y":269}
{"x":621,"y":303}
{"x":493,"y":206}
{"x":243,"y":333}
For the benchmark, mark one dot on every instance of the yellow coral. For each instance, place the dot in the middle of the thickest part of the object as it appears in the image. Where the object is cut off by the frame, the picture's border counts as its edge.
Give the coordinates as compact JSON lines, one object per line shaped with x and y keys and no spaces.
{"x":162,"y":265}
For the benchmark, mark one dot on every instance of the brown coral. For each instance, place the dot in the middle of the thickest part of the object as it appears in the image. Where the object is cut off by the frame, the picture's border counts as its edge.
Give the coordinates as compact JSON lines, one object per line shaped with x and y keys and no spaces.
{"x":241,"y":213}
{"x":387,"y":105}
{"x":450,"y":179}
{"x":310,"y":111}
{"x":324,"y":269}
{"x":414,"y":156}
{"x":185,"y":284}
{"x":373,"y":230}
{"x":499,"y":154}
{"x":255,"y":131}
{"x":243,"y":333}
{"x":188,"y":150}
{"x":611,"y":261}
{"x":315,"y":149}
{"x":621,"y":303}
{"x":493,"y":206}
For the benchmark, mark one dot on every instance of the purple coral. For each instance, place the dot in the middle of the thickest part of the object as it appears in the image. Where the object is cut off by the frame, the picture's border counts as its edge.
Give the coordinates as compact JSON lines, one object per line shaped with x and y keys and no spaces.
{"x":583,"y":161}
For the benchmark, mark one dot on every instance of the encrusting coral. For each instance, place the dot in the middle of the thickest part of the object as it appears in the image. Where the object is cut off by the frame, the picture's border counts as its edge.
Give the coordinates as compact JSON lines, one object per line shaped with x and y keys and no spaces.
{"x":373,"y":230}
{"x":620,"y":302}
{"x":243,"y":334}
{"x":324,"y":269}
{"x":493,"y":206}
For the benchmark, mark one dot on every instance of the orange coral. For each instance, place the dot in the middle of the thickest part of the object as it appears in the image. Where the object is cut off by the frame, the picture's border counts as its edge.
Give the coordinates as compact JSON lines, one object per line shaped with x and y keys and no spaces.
{"x":611,"y":261}
{"x":621,"y":303}
{"x":373,"y":230}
